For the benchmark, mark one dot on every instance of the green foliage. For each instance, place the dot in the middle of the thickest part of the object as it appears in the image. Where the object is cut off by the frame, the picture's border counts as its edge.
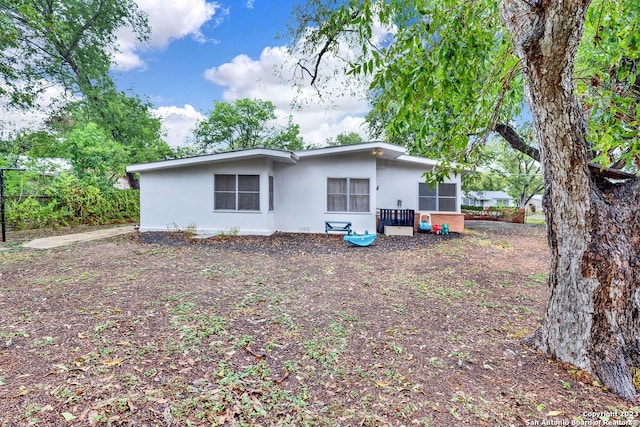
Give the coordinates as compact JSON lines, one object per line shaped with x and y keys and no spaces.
{"x":127,"y":120}
{"x":607,"y":80}
{"x":71,"y":201}
{"x":345,"y":139}
{"x":443,"y":81}
{"x":69,"y":42}
{"x":243,"y":124}
{"x":509,"y":170}
{"x":449,"y":76}
{"x":93,"y":154}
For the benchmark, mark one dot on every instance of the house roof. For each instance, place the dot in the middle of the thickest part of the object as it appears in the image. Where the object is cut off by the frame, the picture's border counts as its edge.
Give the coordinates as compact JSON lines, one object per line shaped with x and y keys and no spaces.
{"x":252,"y":153}
{"x":380,"y":150}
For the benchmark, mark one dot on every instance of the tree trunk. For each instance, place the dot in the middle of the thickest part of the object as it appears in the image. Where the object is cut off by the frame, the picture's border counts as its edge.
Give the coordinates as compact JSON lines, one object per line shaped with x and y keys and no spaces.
{"x":133,"y":181}
{"x":592,"y":227}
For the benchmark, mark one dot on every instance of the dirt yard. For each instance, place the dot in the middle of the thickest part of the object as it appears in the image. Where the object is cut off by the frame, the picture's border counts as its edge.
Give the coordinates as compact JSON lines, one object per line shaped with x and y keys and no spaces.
{"x":292,"y":330}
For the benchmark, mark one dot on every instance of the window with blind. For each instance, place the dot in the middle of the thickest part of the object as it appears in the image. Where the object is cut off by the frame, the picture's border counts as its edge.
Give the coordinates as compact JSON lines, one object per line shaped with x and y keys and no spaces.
{"x":439,"y":198}
{"x":348,"y":195}
{"x":237,"y":192}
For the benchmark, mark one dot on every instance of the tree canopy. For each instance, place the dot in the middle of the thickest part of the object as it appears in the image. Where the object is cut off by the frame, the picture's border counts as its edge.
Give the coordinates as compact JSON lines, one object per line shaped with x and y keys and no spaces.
{"x":345,"y":138}
{"x":245,"y":123}
{"x":455,"y":71}
{"x":71,"y":43}
{"x":449,"y":76}
{"x":68,"y":42}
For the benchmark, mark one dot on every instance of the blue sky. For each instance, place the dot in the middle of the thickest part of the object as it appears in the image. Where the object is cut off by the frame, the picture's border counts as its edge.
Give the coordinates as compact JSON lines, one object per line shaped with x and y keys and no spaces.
{"x":175,"y":75}
{"x":201,"y":51}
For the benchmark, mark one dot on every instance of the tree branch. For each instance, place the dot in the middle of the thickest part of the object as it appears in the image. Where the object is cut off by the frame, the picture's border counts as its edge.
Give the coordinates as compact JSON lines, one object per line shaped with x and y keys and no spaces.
{"x":516,"y":142}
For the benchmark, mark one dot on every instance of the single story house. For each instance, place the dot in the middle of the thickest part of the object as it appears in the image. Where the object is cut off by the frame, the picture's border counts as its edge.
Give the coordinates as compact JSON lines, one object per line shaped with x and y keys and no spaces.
{"x":487,"y":199}
{"x":260,"y":191}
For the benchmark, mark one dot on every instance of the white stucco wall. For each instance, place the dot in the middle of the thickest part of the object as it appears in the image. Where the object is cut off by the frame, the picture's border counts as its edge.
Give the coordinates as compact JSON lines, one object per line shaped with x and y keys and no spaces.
{"x":301,"y":192}
{"x":183,"y":197}
{"x":399,"y":181}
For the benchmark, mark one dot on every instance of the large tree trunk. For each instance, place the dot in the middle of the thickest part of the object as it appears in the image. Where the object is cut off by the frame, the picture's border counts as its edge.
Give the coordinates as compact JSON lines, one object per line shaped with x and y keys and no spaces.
{"x":593,"y":232}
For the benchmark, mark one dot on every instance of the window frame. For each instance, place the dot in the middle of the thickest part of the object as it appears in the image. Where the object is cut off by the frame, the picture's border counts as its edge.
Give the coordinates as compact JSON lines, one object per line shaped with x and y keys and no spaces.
{"x":237,"y":193}
{"x":348,"y":195}
{"x":437,"y":196}
{"x":272,"y":186}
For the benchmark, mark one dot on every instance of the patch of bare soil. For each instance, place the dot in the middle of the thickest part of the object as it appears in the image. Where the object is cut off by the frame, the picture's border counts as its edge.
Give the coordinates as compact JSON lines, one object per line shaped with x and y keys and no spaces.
{"x":162,"y":330}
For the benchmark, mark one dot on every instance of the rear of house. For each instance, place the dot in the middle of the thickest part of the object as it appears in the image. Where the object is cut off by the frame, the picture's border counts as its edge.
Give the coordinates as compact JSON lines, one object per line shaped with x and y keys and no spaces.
{"x":260,"y":191}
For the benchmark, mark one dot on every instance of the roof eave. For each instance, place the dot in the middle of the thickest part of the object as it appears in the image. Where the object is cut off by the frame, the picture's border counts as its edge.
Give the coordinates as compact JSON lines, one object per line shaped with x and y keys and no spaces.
{"x":275,"y":155}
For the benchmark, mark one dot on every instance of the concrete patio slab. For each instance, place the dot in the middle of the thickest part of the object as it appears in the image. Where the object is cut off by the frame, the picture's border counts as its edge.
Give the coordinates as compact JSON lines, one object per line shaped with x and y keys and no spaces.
{"x":68,"y":239}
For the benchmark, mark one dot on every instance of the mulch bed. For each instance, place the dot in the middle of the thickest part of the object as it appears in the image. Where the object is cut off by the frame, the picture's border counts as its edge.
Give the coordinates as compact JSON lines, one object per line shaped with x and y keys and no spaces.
{"x":293,"y":243}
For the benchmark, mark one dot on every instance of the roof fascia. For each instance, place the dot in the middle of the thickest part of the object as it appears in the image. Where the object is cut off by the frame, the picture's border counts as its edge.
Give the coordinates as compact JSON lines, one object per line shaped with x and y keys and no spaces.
{"x":275,"y":155}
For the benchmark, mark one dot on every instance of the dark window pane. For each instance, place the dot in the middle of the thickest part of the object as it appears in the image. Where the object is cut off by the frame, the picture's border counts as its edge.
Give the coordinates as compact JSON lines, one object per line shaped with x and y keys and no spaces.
{"x":225,"y":201}
{"x":359,"y":204}
{"x":248,"y":202}
{"x":359,"y":186}
{"x":337,"y":203}
{"x":225,"y":183}
{"x":425,"y":190}
{"x":427,"y":204}
{"x":271,"y":194}
{"x":248,"y":182}
{"x":448,"y":205}
{"x":446,"y":190}
{"x":337,"y":186}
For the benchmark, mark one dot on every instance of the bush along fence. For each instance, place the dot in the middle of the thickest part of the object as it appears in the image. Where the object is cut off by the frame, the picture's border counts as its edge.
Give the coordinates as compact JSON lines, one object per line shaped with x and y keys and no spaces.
{"x":514,"y":215}
{"x":73,"y":203}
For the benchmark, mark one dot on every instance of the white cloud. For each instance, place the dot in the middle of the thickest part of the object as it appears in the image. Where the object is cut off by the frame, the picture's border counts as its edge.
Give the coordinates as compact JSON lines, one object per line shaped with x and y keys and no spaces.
{"x":15,"y":120}
{"x":271,"y":77}
{"x":169,"y":20}
{"x":178,"y":122}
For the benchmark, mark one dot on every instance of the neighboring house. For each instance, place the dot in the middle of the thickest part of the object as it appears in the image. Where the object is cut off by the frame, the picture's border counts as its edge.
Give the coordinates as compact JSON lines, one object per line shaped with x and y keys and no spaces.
{"x":487,"y":199}
{"x":260,"y":191}
{"x":535,"y":203}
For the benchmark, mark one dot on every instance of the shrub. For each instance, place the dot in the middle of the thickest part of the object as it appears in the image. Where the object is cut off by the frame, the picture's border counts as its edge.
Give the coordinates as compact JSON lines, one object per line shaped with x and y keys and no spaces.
{"x":71,"y":201}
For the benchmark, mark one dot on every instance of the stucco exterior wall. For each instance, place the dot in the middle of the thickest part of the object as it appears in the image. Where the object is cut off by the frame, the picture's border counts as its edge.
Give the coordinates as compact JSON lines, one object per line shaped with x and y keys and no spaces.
{"x":301,"y":193}
{"x":183,"y":197}
{"x":400,"y":180}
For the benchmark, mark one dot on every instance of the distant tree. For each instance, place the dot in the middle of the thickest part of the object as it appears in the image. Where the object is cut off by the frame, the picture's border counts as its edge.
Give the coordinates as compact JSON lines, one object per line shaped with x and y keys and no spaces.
{"x":286,"y":138}
{"x":345,"y":138}
{"x":28,"y":144}
{"x":483,"y":180}
{"x":94,"y":155}
{"x":128,"y":120}
{"x":245,"y":123}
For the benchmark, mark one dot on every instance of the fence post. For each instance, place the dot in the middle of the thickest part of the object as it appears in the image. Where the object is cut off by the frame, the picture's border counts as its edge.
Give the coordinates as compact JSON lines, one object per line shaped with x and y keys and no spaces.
{"x":4,"y":237}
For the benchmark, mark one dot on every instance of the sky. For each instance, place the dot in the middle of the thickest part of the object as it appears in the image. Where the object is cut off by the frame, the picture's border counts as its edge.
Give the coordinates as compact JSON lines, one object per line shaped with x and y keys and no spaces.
{"x":202,"y":51}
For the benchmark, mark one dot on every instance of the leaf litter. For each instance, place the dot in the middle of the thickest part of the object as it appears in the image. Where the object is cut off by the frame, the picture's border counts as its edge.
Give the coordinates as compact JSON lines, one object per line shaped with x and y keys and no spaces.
{"x":161,"y":329}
